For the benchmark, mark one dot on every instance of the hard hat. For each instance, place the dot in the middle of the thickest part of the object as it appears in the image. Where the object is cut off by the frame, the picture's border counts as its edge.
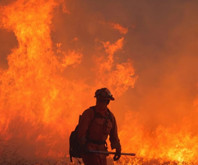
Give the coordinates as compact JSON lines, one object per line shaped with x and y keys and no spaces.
{"x":104,"y":93}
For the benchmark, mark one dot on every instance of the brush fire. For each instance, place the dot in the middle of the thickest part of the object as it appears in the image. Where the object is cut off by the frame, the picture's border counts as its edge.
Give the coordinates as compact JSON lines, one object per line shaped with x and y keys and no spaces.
{"x":54,"y":54}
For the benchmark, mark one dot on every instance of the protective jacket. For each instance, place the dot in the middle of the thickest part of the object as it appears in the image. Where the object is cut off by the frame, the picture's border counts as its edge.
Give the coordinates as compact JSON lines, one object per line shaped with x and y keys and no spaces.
{"x":93,"y":131}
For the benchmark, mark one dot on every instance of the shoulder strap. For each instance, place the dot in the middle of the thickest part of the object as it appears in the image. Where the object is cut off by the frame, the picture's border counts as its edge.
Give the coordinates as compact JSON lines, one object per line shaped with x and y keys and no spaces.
{"x":110,"y":115}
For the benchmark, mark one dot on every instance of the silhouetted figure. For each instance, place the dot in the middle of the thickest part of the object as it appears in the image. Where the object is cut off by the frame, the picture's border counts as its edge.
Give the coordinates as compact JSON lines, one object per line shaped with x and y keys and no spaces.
{"x":95,"y":124}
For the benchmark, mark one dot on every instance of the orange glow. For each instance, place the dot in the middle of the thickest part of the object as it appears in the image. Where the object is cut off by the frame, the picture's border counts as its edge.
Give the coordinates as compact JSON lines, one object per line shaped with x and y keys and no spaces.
{"x":120,"y":28}
{"x":33,"y":91}
{"x":170,"y":144}
{"x":49,"y":83}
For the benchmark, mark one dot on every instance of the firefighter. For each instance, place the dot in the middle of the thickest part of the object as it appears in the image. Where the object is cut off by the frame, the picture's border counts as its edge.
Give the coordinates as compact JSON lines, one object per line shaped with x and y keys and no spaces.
{"x":95,"y":125}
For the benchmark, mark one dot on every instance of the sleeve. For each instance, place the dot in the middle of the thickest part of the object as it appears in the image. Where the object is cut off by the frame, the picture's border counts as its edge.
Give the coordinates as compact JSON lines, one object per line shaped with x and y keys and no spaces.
{"x":83,"y":126}
{"x":114,"y":139}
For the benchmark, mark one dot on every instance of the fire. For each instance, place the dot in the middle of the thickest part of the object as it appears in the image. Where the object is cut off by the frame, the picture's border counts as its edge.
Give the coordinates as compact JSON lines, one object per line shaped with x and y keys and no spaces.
{"x":39,"y":105}
{"x":45,"y":88}
{"x":120,"y":28}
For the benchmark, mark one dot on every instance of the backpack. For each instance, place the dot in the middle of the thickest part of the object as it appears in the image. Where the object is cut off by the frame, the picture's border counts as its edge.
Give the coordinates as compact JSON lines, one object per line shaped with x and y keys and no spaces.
{"x":75,"y":149}
{"x":74,"y":145}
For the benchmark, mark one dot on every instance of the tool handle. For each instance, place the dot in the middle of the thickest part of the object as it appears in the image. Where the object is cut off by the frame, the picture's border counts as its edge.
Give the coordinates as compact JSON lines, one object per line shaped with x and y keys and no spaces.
{"x":106,"y":152}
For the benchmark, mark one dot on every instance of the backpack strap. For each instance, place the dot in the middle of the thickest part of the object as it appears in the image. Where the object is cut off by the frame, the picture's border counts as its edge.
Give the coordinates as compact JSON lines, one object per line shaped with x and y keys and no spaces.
{"x":110,"y":115}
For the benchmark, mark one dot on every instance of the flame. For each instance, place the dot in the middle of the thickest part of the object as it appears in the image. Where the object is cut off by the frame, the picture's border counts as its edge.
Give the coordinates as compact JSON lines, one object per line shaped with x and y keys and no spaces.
{"x":46,"y":87}
{"x":39,"y":105}
{"x":119,"y":27}
{"x":164,"y":144}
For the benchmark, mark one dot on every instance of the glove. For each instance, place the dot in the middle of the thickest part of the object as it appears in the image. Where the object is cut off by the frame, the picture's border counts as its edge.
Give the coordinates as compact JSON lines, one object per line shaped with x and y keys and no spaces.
{"x":117,"y":155}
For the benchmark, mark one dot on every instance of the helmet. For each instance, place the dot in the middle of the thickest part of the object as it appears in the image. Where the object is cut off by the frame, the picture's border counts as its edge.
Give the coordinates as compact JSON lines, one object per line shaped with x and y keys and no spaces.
{"x":104,"y":93}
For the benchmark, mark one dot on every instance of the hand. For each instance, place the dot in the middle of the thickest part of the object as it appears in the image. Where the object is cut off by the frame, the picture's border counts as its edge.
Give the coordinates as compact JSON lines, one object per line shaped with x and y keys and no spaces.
{"x":117,"y":155}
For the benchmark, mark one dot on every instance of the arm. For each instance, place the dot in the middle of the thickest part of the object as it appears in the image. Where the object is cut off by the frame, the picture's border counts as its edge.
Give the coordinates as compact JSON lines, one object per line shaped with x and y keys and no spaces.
{"x":114,"y":139}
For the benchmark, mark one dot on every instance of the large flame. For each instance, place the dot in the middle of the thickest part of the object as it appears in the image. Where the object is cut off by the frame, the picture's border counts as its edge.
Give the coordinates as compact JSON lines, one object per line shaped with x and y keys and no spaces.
{"x":39,"y":106}
{"x":45,"y":88}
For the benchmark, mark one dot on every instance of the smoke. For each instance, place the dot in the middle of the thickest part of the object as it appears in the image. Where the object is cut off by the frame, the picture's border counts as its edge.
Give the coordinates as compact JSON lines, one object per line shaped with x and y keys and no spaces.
{"x":145,"y":51}
{"x":161,"y":42}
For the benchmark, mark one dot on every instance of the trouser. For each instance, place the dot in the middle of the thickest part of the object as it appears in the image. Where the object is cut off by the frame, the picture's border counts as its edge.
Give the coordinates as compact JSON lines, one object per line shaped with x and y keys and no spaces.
{"x":95,"y":159}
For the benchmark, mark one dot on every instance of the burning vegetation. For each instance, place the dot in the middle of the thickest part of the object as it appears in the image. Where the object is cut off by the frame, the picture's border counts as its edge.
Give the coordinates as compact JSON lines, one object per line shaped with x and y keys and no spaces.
{"x":51,"y":74}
